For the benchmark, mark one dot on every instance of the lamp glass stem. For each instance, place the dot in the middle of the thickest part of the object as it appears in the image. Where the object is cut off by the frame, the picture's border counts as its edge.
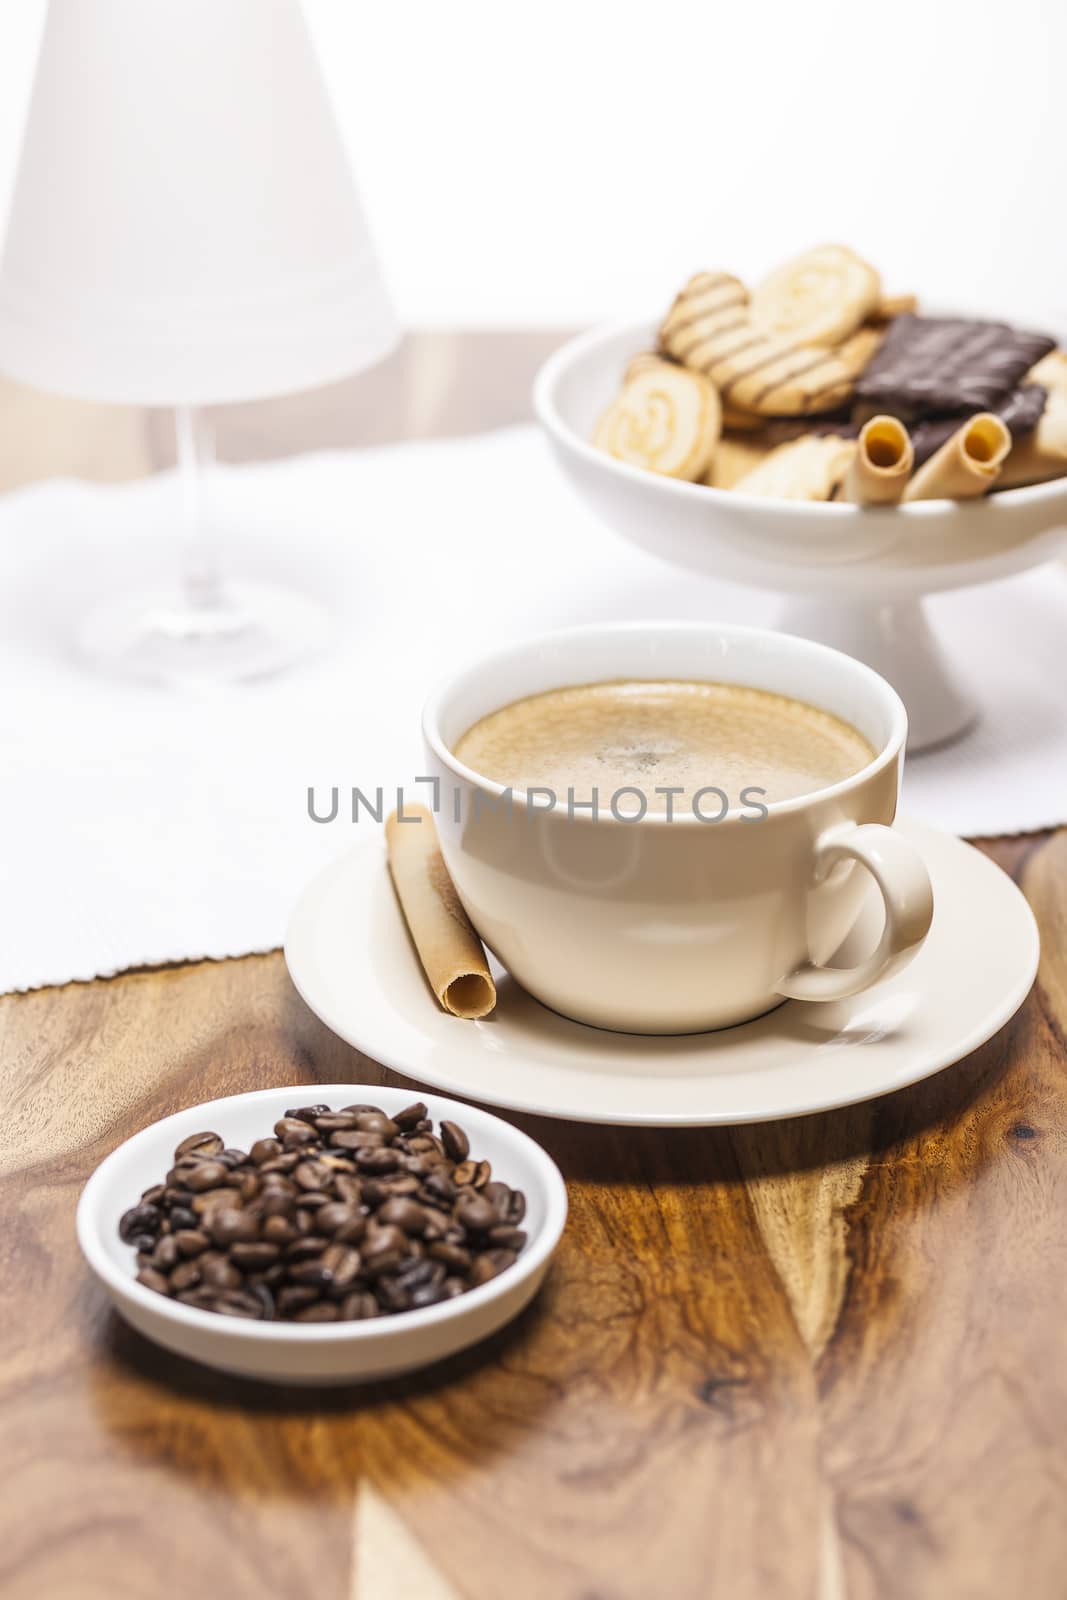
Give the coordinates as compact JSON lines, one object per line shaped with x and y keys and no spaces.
{"x":195,"y":454}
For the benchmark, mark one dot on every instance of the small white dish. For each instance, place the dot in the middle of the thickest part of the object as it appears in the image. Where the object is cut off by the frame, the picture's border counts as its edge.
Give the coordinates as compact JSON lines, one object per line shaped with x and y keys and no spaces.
{"x":857,"y":573}
{"x":350,"y":956}
{"x":330,"y":1353}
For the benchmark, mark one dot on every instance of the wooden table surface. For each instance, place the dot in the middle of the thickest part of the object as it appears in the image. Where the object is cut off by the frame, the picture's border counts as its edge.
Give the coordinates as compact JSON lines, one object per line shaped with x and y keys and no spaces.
{"x":821,"y":1358}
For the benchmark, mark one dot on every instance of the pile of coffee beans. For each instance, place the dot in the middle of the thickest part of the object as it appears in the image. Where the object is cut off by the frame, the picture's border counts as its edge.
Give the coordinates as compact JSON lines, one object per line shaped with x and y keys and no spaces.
{"x":339,"y":1216}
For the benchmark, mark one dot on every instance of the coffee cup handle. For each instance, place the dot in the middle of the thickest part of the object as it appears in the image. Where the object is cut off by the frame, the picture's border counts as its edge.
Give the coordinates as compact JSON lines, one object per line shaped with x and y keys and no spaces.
{"x":901,"y":875}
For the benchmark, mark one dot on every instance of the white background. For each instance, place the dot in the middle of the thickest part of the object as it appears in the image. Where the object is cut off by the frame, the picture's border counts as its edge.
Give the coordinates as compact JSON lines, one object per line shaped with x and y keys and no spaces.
{"x":562,"y":161}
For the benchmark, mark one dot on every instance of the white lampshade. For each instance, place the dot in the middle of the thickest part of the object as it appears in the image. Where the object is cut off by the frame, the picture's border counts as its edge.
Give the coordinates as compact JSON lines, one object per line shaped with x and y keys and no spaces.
{"x":185,"y":228}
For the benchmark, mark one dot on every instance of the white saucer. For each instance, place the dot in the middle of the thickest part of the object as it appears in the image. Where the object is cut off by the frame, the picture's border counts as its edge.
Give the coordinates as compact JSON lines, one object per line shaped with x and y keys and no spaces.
{"x":350,"y":957}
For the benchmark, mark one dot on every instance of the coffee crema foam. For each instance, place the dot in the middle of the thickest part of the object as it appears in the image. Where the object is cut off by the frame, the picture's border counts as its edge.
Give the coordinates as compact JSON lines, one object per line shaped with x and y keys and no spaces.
{"x":664,"y":733}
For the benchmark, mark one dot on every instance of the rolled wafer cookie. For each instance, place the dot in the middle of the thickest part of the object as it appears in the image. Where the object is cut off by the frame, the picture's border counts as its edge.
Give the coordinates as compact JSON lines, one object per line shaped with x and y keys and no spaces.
{"x":808,"y":468}
{"x":967,"y":465}
{"x":666,"y":419}
{"x":450,"y":951}
{"x":710,"y":330}
{"x":818,"y":298}
{"x":881,"y":467}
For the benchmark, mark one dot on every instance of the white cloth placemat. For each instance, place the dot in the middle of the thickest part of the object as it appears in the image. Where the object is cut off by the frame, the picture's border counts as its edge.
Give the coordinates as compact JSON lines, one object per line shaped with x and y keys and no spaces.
{"x":139,"y":826}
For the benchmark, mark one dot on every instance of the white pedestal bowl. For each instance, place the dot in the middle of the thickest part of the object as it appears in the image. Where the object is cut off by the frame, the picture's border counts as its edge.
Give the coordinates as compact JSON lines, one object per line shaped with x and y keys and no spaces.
{"x":855,"y":576}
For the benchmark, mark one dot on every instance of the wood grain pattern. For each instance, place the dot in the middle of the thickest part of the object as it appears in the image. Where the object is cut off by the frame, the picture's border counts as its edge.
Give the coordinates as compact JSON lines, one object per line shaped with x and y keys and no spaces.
{"x":811,"y":1360}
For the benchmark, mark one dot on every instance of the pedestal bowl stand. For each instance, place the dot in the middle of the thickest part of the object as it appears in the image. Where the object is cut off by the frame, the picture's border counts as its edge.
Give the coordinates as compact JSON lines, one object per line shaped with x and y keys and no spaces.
{"x":855,"y":577}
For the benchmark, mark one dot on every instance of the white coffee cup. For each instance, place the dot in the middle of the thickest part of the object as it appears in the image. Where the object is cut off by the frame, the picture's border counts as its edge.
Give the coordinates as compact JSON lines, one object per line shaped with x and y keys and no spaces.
{"x":677,"y":925}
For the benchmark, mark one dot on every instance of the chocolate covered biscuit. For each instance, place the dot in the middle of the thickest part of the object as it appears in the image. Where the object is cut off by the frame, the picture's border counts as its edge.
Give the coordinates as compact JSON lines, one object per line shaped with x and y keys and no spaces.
{"x":1020,"y":412}
{"x":928,"y":365}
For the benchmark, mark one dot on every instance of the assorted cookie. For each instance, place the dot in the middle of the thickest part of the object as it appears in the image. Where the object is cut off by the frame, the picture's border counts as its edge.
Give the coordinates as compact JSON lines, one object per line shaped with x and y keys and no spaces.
{"x":817,"y":385}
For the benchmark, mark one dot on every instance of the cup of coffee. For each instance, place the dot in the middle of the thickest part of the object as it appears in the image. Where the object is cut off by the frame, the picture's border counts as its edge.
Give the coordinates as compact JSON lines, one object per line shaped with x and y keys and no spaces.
{"x":670,"y":827}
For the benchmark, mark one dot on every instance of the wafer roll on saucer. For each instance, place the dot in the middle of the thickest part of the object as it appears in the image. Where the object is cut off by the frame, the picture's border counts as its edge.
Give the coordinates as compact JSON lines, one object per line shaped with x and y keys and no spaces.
{"x":450,"y":951}
{"x":666,"y":419}
{"x":967,"y":465}
{"x":880,"y":469}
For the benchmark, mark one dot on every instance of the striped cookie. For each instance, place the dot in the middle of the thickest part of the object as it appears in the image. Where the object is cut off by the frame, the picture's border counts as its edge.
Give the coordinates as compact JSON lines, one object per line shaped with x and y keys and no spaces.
{"x":709,"y":329}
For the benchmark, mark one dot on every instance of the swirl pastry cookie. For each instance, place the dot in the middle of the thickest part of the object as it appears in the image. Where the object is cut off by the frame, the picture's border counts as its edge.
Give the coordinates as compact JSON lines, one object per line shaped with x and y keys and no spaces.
{"x":710,"y":329}
{"x":818,"y":298}
{"x":666,"y":419}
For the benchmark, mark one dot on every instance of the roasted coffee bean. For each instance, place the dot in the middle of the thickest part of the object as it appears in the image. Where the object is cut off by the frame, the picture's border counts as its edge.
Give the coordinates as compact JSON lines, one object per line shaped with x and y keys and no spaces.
{"x":219,"y":1273}
{"x":507,"y":1237}
{"x":377,"y":1162}
{"x":310,"y":1174}
{"x":282,"y":1164}
{"x":250,"y":1186}
{"x":310,"y":1274}
{"x":307,"y":1249}
{"x":266,"y":1299}
{"x":277,"y":1203}
{"x":238,"y":1303}
{"x":255,"y":1256}
{"x":420,"y":1143}
{"x":191,"y":1241}
{"x":182,"y":1217}
{"x":453,"y":1256}
{"x":394,"y":1295}
{"x":464,"y":1173}
{"x":137,"y":1221}
{"x":516,"y":1206}
{"x":153,"y":1280}
{"x":335,"y":1121}
{"x":290,"y":1130}
{"x":403,"y":1213}
{"x":165,"y":1255}
{"x":153,"y":1196}
{"x":355,"y":1139}
{"x":204,"y":1144}
{"x":376,"y":1122}
{"x":359,"y":1306}
{"x":439,"y":1186}
{"x":321,"y":1311}
{"x":232,"y":1158}
{"x":228,"y":1227}
{"x":279,"y":1230}
{"x":343,"y":1263}
{"x":359,"y":1110}
{"x":348,"y":1188}
{"x":410,"y":1116}
{"x":427,"y":1294}
{"x":206,"y":1175}
{"x":344,"y":1222}
{"x":214,"y":1200}
{"x":185,"y":1276}
{"x":293,"y":1298}
{"x":308,"y":1113}
{"x":489,"y":1265}
{"x":265,"y":1150}
{"x":383,"y":1249}
{"x":457,"y":1145}
{"x":474,"y":1212}
{"x":497,"y":1195}
{"x":303,"y":1220}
